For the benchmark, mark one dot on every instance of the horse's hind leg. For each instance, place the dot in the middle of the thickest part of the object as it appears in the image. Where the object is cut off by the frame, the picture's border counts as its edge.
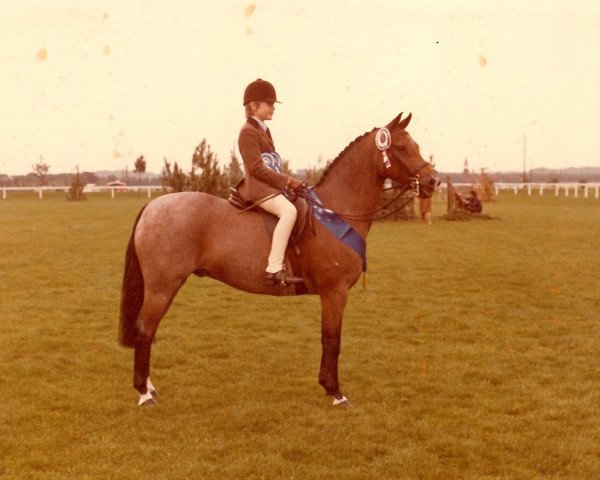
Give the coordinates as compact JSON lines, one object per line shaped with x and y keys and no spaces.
{"x":156,"y":303}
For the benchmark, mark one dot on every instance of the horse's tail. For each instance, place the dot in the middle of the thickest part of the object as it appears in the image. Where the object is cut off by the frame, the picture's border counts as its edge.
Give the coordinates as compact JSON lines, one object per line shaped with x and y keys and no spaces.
{"x":132,"y":292}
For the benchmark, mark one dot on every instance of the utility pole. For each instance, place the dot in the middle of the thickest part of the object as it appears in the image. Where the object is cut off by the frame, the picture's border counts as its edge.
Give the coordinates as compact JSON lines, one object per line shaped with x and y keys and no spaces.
{"x":524,"y":159}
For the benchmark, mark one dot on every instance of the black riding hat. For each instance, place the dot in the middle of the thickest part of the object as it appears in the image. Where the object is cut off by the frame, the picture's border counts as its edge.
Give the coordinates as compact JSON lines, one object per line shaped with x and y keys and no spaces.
{"x":260,"y":91}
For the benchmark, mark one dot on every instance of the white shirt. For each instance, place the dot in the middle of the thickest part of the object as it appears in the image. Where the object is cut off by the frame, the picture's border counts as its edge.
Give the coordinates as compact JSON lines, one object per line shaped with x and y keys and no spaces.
{"x":262,"y":124}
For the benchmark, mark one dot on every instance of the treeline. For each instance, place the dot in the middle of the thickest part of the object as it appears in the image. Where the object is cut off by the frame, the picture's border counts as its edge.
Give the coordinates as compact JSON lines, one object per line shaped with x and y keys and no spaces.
{"x":205,"y":173}
{"x":50,"y":180}
{"x":583,"y":175}
{"x":202,"y":174}
{"x":64,"y":179}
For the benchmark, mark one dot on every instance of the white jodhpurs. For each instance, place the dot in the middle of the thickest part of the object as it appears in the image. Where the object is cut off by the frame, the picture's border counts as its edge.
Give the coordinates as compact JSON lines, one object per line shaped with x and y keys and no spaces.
{"x":286,"y":212}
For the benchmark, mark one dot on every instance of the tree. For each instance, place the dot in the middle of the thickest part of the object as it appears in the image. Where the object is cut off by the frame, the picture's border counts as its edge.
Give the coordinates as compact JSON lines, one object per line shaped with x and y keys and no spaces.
{"x":77,"y":186}
{"x":40,"y":170}
{"x":140,"y":167}
{"x":89,"y":177}
{"x":235,"y":172}
{"x":174,"y":181}
{"x":285,"y":168}
{"x":206,"y":175}
{"x":312,"y":175}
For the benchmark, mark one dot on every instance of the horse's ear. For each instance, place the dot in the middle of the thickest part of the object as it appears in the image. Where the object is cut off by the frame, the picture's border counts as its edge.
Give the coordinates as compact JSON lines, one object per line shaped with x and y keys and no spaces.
{"x":404,"y":123}
{"x":399,"y":123}
{"x":394,"y":122}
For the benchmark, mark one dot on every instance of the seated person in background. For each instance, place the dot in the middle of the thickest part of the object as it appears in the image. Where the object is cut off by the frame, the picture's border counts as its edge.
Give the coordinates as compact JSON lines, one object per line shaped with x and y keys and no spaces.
{"x":471,"y":204}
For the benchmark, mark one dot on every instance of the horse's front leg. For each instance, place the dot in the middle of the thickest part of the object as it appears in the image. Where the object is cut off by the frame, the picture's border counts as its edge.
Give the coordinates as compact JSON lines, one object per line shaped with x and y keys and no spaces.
{"x":332,"y":311}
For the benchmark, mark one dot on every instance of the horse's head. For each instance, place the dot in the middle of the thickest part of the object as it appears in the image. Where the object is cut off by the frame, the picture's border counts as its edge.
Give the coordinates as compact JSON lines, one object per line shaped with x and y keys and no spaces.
{"x":402,"y":160}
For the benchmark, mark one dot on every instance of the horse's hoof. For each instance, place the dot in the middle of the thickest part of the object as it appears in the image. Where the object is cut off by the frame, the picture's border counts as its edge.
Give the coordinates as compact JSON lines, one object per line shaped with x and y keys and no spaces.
{"x":147,"y":400}
{"x":149,"y":403}
{"x":341,"y":401}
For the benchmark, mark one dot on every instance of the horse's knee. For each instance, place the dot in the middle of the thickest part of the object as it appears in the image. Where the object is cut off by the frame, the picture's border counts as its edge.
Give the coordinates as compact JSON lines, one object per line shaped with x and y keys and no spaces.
{"x":142,"y":336}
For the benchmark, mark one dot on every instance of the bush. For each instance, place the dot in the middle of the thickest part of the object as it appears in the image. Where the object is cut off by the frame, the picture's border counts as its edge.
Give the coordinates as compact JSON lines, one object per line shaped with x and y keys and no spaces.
{"x":77,"y":185}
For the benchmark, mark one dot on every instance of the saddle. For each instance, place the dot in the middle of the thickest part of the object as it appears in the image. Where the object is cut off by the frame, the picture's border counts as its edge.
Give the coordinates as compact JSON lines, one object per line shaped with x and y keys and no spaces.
{"x":303,"y":219}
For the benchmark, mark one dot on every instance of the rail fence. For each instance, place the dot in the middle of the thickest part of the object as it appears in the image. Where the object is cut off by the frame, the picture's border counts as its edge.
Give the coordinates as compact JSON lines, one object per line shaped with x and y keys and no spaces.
{"x":566,"y":188}
{"x":88,"y":189}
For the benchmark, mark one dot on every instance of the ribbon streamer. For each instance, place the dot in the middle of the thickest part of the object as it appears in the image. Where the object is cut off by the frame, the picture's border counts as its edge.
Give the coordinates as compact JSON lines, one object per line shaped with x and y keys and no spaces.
{"x":383,"y":140}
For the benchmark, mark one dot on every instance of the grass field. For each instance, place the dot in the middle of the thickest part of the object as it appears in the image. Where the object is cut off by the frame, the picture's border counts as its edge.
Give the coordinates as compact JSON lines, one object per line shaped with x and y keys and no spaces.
{"x":472,"y":355}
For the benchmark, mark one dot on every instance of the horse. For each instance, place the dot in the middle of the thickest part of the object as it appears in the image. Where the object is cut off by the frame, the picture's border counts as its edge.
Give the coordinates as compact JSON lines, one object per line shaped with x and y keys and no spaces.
{"x":180,"y":234}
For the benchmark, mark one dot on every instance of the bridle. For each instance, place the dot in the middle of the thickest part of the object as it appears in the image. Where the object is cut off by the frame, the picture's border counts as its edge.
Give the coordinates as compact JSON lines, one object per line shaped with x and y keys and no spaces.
{"x":383,"y":141}
{"x":411,"y":174}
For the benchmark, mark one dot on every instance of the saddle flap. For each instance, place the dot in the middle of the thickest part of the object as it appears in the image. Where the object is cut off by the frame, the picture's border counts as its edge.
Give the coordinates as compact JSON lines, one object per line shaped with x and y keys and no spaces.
{"x":236,"y":199}
{"x":302,"y":219}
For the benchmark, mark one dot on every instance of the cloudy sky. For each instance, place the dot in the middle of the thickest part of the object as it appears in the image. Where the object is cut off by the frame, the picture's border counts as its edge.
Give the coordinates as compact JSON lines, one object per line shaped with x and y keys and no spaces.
{"x":97,"y":83}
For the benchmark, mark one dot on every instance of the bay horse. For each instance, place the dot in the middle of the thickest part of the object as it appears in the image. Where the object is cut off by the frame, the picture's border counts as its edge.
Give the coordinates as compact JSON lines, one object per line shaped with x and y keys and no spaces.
{"x":186,"y":233}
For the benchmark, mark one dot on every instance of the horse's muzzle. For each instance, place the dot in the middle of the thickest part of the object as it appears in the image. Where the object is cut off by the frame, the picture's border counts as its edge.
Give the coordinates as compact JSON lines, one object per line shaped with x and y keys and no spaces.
{"x":427,"y":188}
{"x":434,"y":182}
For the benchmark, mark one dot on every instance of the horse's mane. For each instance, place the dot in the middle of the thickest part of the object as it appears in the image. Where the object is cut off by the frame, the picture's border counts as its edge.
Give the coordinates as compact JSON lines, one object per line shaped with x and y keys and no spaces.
{"x":332,"y":164}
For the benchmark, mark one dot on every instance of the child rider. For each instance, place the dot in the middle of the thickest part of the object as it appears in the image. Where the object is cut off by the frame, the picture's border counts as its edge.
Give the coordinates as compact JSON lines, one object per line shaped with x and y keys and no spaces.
{"x":263,"y":177}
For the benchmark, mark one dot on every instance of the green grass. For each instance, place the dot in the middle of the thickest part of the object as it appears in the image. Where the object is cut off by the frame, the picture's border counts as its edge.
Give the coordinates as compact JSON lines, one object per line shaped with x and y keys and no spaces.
{"x":472,"y":355}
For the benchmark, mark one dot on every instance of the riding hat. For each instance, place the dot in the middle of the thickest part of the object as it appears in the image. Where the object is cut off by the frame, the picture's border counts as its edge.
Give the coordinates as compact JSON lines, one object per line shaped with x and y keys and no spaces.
{"x":260,"y":91}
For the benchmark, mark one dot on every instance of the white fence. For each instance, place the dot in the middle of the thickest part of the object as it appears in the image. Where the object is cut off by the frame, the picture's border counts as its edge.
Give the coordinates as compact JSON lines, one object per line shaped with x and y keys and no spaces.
{"x":88,"y":189}
{"x":566,"y":188}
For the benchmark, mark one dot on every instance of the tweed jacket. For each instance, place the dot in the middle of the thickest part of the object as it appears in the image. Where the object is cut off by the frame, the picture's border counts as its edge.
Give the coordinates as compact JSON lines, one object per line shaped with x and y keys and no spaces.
{"x":259,"y":180}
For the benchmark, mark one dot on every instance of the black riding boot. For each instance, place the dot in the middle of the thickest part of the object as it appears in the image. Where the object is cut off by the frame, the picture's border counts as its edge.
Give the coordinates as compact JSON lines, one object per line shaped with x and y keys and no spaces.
{"x":281,"y":278}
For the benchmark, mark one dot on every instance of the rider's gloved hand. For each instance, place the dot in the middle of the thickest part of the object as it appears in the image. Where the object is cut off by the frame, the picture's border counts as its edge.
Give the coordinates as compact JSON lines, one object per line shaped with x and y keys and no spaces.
{"x":295,"y":184}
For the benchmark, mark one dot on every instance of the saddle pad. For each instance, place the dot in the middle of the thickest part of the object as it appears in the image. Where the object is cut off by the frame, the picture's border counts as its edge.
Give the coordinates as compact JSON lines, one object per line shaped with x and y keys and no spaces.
{"x":339,"y":228}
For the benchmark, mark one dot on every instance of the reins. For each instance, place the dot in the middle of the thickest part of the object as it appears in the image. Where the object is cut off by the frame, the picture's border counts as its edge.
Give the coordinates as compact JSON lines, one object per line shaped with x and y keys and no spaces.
{"x":401,"y":207}
{"x":383,"y":143}
{"x":359,"y":217}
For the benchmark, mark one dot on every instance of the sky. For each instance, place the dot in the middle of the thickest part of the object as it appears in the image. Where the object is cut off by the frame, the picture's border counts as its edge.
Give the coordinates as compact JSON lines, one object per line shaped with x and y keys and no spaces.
{"x":94,"y":84}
